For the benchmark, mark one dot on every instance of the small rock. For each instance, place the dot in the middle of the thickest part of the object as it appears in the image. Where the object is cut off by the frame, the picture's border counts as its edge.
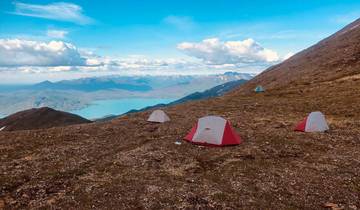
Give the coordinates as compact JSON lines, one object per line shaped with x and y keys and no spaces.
{"x":2,"y":204}
{"x":353,"y":207}
{"x":332,"y":206}
{"x":51,"y":201}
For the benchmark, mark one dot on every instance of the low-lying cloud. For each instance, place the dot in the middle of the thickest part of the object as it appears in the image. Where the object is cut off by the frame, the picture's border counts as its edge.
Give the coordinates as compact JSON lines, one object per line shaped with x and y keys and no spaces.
{"x":54,"y":57}
{"x":26,"y":53}
{"x":214,"y":51}
{"x":18,"y":52}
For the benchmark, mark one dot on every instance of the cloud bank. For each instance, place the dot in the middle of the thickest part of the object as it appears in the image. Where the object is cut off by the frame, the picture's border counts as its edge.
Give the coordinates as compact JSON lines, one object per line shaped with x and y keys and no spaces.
{"x":59,"y":11}
{"x":26,"y":57}
{"x":57,"y":56}
{"x":18,"y":52}
{"x":214,"y":51}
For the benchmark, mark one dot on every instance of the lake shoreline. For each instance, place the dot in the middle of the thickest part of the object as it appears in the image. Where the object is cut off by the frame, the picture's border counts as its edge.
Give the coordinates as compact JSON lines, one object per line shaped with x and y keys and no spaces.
{"x":124,"y":105}
{"x":101,"y":108}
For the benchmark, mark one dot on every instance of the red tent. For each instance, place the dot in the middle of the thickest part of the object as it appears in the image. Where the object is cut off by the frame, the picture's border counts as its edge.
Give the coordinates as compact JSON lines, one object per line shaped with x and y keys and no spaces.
{"x":213,"y":130}
{"x":314,"y":122}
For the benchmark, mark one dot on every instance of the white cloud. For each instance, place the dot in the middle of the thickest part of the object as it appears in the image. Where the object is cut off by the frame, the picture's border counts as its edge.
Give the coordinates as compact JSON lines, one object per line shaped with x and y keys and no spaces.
{"x":288,"y":55}
{"x":59,"y":54}
{"x":60,"y":11}
{"x":94,"y":62}
{"x":57,"y":34}
{"x":123,"y":66}
{"x":25,"y":57}
{"x":214,"y":51}
{"x":18,"y":52}
{"x":180,"y":22}
{"x":346,"y":18}
{"x":61,"y":68}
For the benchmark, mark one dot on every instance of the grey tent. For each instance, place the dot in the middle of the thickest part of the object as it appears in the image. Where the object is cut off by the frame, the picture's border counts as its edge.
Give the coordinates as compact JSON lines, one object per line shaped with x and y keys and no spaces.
{"x":158,"y":116}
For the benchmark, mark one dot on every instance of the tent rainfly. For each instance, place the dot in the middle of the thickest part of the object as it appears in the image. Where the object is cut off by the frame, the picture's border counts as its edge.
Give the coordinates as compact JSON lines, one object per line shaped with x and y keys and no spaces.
{"x":158,"y":116}
{"x":259,"y":89}
{"x":213,"y":130}
{"x":314,"y":122}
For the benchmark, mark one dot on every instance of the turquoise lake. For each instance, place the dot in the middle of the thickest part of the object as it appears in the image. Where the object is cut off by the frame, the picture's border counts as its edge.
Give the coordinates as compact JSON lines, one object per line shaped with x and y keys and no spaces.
{"x":102,"y":108}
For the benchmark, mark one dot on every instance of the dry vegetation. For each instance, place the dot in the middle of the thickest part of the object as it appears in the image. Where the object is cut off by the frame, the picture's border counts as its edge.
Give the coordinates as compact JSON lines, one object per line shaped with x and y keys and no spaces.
{"x":129,"y":163}
{"x":39,"y":118}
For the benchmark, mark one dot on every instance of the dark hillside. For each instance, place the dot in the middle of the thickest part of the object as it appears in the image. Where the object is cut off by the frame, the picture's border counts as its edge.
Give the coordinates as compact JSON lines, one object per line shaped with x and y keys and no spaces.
{"x":39,"y":118}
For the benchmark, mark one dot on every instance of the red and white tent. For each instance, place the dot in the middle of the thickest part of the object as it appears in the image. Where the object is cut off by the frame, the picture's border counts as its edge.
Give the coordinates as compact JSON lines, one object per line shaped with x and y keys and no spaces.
{"x":314,"y":122}
{"x":213,"y":130}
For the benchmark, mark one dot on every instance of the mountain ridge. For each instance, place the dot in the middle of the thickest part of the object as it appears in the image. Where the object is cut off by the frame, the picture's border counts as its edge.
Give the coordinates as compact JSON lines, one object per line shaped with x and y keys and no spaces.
{"x":70,"y":95}
{"x":308,"y":65}
{"x":40,"y":118}
{"x":216,"y":91}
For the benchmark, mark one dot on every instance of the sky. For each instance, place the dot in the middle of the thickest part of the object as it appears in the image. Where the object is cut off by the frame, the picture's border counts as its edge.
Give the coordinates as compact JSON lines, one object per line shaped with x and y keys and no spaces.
{"x":55,"y":40}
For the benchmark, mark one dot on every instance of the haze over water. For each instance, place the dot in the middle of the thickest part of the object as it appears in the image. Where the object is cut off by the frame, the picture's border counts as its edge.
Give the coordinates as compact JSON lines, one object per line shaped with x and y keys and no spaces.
{"x":103,"y":108}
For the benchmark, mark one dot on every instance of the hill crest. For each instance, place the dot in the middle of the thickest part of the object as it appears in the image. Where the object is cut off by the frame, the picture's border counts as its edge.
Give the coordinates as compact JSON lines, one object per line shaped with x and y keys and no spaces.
{"x":39,"y":118}
{"x":332,"y":58}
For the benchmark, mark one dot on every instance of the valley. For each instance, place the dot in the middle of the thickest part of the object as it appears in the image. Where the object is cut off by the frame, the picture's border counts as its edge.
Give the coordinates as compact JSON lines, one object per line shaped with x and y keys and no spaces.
{"x":78,"y":94}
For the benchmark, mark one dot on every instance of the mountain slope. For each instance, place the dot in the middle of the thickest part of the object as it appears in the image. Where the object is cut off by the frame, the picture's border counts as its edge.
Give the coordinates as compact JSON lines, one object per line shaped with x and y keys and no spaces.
{"x":216,"y":91}
{"x":38,"y":119}
{"x":212,"y":92}
{"x":332,"y":58}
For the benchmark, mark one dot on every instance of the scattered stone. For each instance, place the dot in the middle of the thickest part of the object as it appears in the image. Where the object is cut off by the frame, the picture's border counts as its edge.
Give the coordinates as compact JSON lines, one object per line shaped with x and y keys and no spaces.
{"x":2,"y":204}
{"x":333,"y":206}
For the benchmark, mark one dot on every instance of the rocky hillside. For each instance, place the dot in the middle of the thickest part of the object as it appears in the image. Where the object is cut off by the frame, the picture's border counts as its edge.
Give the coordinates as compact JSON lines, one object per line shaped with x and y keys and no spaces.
{"x":128,"y":163}
{"x":39,"y":118}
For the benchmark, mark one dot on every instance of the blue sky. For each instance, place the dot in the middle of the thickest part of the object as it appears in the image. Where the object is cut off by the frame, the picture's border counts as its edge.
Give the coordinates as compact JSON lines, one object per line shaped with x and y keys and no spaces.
{"x":85,"y":38}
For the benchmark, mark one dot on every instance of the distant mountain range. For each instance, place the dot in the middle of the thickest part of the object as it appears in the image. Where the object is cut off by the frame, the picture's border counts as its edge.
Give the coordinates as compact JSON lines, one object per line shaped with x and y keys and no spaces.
{"x":216,"y":91}
{"x":68,"y":95}
{"x":129,"y":83}
{"x":212,"y":92}
{"x":90,"y":84}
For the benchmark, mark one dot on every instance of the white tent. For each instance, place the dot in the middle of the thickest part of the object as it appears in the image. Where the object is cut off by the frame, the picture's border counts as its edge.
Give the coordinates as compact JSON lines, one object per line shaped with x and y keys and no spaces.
{"x":314,"y":122}
{"x":158,"y":116}
{"x":213,"y":130}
